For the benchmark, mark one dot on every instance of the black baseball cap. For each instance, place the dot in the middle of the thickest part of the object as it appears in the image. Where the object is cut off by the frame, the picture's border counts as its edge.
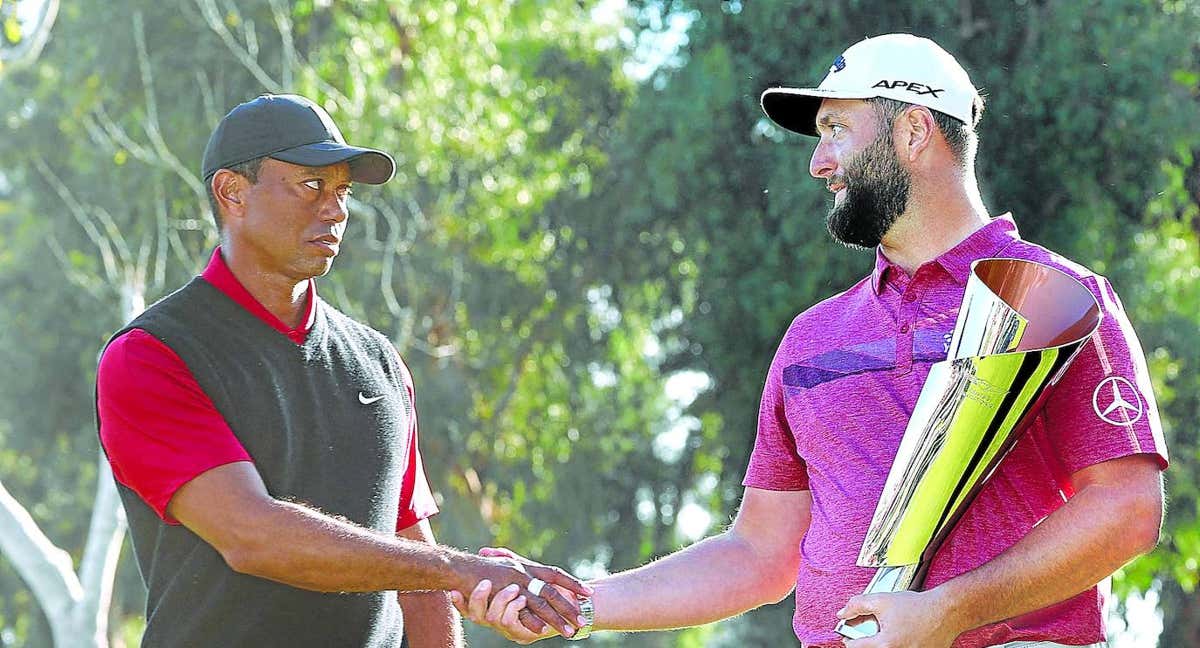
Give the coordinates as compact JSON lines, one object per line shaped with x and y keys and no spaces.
{"x":292,"y":129}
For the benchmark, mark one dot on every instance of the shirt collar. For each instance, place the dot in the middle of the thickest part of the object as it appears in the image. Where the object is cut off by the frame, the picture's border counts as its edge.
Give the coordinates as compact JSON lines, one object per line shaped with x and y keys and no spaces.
{"x":218,"y":274}
{"x":987,"y":241}
{"x":882,"y":267}
{"x":984,"y":242}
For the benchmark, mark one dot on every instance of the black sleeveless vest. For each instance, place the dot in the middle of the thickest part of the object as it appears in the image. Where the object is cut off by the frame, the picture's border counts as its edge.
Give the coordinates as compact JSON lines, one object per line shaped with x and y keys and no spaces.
{"x":299,"y":412}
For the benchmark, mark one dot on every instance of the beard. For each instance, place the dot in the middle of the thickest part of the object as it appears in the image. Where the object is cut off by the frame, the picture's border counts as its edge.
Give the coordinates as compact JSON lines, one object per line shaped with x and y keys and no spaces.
{"x":877,"y":190}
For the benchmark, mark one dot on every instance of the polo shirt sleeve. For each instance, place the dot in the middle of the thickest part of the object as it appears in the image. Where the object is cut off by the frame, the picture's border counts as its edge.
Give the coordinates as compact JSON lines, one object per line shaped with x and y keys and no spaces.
{"x":157,"y":426}
{"x":1103,"y":407}
{"x":774,"y":462}
{"x":416,"y":498}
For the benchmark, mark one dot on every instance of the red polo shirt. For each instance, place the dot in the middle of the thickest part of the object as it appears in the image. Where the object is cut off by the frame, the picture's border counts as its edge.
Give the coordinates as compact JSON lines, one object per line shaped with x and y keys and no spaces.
{"x":161,"y":430}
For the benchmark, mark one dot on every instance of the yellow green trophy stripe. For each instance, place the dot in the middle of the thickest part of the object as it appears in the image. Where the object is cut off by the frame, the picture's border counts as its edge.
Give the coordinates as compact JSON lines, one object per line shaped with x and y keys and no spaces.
{"x":1029,"y":392}
{"x":985,"y":389}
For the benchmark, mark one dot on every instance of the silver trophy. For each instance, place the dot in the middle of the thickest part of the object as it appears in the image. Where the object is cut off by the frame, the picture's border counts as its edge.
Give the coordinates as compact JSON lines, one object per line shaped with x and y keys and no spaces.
{"x":1020,"y":325}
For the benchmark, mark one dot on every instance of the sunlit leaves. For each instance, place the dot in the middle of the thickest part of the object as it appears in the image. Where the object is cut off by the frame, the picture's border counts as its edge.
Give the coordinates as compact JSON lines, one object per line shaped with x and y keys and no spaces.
{"x":12,"y":30}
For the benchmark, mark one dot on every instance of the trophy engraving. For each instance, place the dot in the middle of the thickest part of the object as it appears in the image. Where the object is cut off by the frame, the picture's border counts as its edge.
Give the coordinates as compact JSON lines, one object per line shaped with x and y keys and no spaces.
{"x":1018,"y":328}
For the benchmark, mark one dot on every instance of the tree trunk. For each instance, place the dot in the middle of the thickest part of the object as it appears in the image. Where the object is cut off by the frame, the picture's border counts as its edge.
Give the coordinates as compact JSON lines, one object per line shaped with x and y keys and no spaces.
{"x":1181,"y":617}
{"x":97,"y":570}
{"x":77,"y":610}
{"x":76,"y":606}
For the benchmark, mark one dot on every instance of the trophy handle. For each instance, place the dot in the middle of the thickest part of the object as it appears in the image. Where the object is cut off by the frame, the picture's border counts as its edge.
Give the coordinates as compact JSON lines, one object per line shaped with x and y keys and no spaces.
{"x":886,"y":579}
{"x":859,"y":627}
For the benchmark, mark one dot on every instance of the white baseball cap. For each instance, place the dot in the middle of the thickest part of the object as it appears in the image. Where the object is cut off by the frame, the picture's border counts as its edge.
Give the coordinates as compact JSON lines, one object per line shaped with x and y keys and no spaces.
{"x":896,"y":66}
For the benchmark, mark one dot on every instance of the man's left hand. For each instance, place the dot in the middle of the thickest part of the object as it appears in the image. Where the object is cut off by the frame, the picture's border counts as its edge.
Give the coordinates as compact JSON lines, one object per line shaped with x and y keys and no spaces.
{"x":906,"y":620}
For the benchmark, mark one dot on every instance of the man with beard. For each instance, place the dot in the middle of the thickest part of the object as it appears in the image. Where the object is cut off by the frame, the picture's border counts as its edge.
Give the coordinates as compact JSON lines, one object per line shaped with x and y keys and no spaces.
{"x":1078,"y":496}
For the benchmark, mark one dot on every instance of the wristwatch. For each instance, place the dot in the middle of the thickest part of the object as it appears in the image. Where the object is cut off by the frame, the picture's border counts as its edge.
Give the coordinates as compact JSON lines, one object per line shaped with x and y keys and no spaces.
{"x":588,"y":612}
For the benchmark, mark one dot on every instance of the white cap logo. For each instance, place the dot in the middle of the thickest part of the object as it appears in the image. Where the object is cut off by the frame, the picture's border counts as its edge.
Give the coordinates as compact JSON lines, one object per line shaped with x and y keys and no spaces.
{"x":1116,"y":401}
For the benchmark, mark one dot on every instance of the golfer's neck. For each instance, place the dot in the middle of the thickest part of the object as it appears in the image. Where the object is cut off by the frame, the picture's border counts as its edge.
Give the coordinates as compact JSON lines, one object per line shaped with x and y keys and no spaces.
{"x":934,"y":222}
{"x":284,"y":296}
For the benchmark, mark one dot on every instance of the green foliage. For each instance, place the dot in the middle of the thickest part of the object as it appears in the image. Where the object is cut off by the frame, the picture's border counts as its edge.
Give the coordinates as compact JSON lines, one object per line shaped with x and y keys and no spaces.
{"x":1164,"y":266}
{"x":12,"y":30}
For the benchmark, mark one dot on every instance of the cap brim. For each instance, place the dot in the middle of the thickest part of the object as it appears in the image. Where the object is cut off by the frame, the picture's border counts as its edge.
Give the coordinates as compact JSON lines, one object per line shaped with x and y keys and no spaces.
{"x":796,"y":108}
{"x":368,"y":166}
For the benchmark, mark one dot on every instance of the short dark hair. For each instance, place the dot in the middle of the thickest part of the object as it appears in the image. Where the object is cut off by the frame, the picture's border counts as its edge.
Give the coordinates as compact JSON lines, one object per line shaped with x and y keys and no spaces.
{"x":960,"y":136}
{"x":248,"y":170}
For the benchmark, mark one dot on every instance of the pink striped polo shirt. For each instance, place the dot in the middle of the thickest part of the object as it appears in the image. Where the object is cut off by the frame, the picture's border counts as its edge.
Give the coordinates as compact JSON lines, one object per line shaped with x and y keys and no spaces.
{"x":838,"y":397}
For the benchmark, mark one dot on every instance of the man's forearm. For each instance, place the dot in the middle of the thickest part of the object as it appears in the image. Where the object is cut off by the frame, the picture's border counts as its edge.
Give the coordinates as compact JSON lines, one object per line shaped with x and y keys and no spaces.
{"x":1092,"y":535}
{"x":229,"y":508}
{"x":713,"y":579}
{"x":298,"y":546}
{"x":752,"y":563}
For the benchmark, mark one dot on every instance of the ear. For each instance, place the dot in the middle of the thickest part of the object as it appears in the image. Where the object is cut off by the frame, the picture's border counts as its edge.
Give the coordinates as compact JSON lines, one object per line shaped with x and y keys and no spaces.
{"x":229,"y":188}
{"x":915,"y":131}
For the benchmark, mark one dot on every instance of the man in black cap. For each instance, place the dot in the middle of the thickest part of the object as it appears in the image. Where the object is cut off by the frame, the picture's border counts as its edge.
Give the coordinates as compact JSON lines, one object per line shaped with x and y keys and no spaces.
{"x":265,"y":444}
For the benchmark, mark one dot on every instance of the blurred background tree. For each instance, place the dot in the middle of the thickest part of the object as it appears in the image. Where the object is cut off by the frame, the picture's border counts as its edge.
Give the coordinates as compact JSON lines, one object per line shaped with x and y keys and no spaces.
{"x":592,"y":224}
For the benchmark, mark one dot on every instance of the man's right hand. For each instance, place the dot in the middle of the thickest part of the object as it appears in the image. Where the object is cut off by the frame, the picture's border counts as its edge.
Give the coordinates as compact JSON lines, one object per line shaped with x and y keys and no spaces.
{"x":510,"y":575}
{"x":506,"y":613}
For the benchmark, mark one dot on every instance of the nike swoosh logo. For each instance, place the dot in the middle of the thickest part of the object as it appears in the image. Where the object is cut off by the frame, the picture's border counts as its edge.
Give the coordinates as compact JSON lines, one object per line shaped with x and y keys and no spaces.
{"x":362,"y":398}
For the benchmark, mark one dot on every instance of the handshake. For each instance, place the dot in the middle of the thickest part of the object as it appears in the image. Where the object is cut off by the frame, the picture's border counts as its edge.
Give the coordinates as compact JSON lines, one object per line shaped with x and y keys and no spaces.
{"x":523,"y":600}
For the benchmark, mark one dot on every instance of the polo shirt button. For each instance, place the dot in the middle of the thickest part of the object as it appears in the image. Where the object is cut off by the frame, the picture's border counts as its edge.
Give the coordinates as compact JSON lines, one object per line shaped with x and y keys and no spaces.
{"x":904,"y":328}
{"x":910,"y":297}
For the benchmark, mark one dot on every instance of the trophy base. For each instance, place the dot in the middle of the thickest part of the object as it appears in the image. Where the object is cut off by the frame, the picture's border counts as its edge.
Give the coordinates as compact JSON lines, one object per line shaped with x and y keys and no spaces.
{"x":886,"y":579}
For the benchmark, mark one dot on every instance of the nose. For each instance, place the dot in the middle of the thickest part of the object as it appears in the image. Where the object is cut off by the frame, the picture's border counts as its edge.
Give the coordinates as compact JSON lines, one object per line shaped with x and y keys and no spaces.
{"x":822,"y":163}
{"x":335,"y":209}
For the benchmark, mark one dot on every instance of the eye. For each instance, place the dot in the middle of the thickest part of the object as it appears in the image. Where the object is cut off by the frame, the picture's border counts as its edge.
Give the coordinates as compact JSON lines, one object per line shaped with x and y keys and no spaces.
{"x":314,"y":184}
{"x":836,"y":129}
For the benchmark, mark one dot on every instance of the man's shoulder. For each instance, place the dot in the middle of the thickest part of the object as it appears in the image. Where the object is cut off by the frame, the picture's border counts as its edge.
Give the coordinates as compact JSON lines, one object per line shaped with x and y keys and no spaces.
{"x":368,"y":337}
{"x":344,"y":323}
{"x":134,"y":347}
{"x":177,"y":305}
{"x":146,"y":340}
{"x":839,"y":307}
{"x":831,"y":320}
